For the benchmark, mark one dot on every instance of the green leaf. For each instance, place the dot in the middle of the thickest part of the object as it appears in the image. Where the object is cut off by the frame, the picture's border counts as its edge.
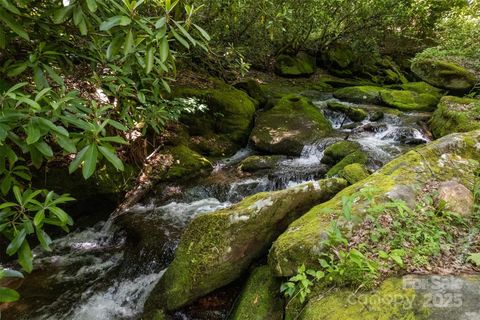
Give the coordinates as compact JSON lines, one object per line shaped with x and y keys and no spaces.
{"x":50,"y":125}
{"x":39,"y":78}
{"x":10,"y":7}
{"x":17,"y":242}
{"x":13,"y":24}
{"x":78,"y":160}
{"x":128,"y":45}
{"x":114,"y":47}
{"x":111,"y":157}
{"x":115,"y":139}
{"x":185,"y":33}
{"x":54,"y":75}
{"x":25,"y":257}
{"x":474,"y":258}
{"x":60,"y":214}
{"x":117,"y":125}
{"x":44,"y":239}
{"x":9,"y":273}
{"x":44,"y":149}
{"x":33,"y":133}
{"x":115,"y":21}
{"x":61,"y":15}
{"x":8,"y":295}
{"x":39,"y":217}
{"x":66,"y":144}
{"x":92,"y":5}
{"x":203,"y":32}
{"x":181,"y":39}
{"x":90,"y":161}
{"x":149,"y":59}
{"x":164,"y":49}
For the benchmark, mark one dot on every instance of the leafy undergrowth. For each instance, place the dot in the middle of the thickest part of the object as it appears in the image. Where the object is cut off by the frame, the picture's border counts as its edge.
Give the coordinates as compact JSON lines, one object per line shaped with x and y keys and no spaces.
{"x":392,"y":239}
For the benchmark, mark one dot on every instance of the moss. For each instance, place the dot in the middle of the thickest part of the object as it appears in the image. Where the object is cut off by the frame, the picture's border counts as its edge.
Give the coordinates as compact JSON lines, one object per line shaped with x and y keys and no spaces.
{"x":354,"y":114}
{"x":339,"y":150}
{"x":340,"y":57}
{"x":421,"y":87}
{"x":389,"y":302}
{"x":253,"y":89}
{"x":186,"y":163}
{"x":299,"y":66}
{"x":230,"y":112}
{"x":355,"y":157}
{"x":216,"y":248}
{"x":454,"y":156}
{"x":444,"y":74}
{"x":359,"y":94}
{"x":354,"y":172}
{"x":260,"y":299}
{"x":290,"y":125}
{"x":256,"y":163}
{"x":409,"y":100}
{"x":455,"y":114}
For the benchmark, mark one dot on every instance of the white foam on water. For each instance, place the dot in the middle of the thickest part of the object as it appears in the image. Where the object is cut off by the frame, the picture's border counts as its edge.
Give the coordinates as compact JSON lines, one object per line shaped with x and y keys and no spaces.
{"x":123,"y":299}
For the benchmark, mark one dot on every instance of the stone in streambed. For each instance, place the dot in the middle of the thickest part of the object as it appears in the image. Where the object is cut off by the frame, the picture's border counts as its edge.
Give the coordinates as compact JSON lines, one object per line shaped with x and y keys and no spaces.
{"x":290,"y":125}
{"x":257,"y":163}
{"x":354,"y":172}
{"x":339,"y":150}
{"x":409,"y":100}
{"x":218,"y":247}
{"x":260,"y":298}
{"x":354,"y":114}
{"x":454,"y":156}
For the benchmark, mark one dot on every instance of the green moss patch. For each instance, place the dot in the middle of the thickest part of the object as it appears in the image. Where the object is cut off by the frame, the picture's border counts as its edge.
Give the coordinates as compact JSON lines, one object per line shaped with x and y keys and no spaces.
{"x":300,"y":66}
{"x":455,"y":114}
{"x":409,"y":100}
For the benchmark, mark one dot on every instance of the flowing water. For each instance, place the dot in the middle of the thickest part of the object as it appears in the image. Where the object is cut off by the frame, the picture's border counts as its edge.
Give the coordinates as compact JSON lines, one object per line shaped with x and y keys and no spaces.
{"x":97,"y":274}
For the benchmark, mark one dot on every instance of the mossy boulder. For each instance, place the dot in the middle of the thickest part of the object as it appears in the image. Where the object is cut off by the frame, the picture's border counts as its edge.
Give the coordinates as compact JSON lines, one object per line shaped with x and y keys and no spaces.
{"x":186,"y":163}
{"x":453,"y":157}
{"x":254,"y":90}
{"x":421,"y":87}
{"x":300,"y":66}
{"x":339,"y":150}
{"x":230,"y":112}
{"x":218,"y":247}
{"x":354,"y":114}
{"x":409,"y":298}
{"x":444,"y":74}
{"x":455,"y":114}
{"x":409,"y":100}
{"x":359,"y":94}
{"x":358,"y":156}
{"x":354,"y":172}
{"x":257,"y":163}
{"x":260,"y":298}
{"x":290,"y":125}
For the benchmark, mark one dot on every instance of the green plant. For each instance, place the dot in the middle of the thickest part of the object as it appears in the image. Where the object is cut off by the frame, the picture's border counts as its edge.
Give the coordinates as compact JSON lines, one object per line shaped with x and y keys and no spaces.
{"x":7,"y":294}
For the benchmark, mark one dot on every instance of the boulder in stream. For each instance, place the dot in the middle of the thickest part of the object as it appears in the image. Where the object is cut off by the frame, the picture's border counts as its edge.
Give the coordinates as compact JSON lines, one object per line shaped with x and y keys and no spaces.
{"x":257,"y":163}
{"x":290,"y":125}
{"x":218,"y":247}
{"x":444,"y":74}
{"x":453,"y":157}
{"x":354,"y":172}
{"x":260,"y":298}
{"x":409,"y":100}
{"x":354,"y":114}
{"x":455,"y":114}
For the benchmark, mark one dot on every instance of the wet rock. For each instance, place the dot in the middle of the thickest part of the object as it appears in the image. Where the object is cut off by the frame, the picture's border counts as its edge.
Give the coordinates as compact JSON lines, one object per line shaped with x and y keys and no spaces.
{"x":339,"y":150}
{"x":354,"y":114}
{"x":372,"y":127}
{"x":230,"y":112}
{"x":455,"y":114}
{"x":257,"y":163}
{"x":186,"y":163}
{"x":356,"y":157}
{"x":452,"y":156}
{"x":409,"y":100}
{"x":359,"y":94}
{"x":444,"y":74}
{"x":403,"y":134}
{"x":354,"y":172}
{"x":413,"y":297}
{"x":455,"y":197}
{"x":260,"y":298}
{"x":290,"y":125}
{"x":253,"y":89}
{"x":414,"y":141}
{"x":376,"y":116}
{"x":300,"y":66}
{"x":218,"y":247}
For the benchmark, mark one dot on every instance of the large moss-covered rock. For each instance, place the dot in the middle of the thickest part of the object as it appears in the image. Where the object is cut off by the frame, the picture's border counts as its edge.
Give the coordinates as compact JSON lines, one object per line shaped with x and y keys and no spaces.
{"x":454,"y":156}
{"x":230,"y":112}
{"x":339,"y":150}
{"x":409,"y":100}
{"x":256,"y":163}
{"x":359,"y":94}
{"x":218,"y":247}
{"x":444,"y":74}
{"x":186,"y":163}
{"x":260,"y":298}
{"x":408,"y":298}
{"x":354,"y":172}
{"x":354,"y":114}
{"x":421,"y":87}
{"x":300,"y":66}
{"x":253,"y":89}
{"x":455,"y":114}
{"x":358,"y":156}
{"x":290,"y":125}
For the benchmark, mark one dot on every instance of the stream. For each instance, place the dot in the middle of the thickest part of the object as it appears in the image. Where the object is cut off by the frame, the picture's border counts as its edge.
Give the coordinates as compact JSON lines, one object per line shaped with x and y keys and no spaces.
{"x":97,"y":273}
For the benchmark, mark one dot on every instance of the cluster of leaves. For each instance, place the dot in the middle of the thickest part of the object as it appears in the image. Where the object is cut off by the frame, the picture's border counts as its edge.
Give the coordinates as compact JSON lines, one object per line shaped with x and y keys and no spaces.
{"x":458,"y":34}
{"x":392,"y":237}
{"x":125,"y":49}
